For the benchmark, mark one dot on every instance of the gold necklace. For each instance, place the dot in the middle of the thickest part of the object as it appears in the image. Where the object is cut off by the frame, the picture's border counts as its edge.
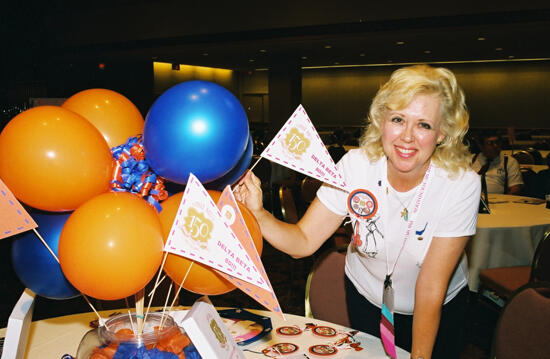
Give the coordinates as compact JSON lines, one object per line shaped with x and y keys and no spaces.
{"x":405,"y":212}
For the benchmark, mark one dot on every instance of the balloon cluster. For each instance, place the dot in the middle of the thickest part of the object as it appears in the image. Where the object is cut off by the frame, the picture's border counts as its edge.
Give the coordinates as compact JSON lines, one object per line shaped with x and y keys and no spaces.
{"x":93,"y":172}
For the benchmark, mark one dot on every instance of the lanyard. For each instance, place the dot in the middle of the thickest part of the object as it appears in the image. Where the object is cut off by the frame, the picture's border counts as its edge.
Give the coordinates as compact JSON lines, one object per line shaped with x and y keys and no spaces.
{"x":418,"y":199}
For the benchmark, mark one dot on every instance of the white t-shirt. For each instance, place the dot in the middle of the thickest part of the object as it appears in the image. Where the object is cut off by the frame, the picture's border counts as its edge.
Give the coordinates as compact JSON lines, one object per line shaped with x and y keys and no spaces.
{"x":495,"y":173}
{"x":448,"y":208}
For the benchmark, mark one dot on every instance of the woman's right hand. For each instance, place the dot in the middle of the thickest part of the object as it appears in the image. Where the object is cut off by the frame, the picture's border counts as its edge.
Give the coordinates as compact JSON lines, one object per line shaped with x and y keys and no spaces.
{"x":249,"y":192}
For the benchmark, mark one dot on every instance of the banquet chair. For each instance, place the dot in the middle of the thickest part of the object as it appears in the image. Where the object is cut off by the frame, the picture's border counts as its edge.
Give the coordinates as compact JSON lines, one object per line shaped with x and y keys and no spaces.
{"x":325,"y":297}
{"x":308,"y":189}
{"x":498,"y":284}
{"x":289,"y":212}
{"x":523,"y":327}
{"x":524,"y":157}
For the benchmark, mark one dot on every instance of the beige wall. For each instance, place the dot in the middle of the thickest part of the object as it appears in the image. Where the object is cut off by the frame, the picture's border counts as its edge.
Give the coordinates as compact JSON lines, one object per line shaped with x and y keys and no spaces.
{"x":497,"y":94}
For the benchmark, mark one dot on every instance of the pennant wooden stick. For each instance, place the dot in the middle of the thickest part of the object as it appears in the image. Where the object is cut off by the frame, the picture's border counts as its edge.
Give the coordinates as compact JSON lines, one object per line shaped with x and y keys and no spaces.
{"x":46,"y":244}
{"x":157,"y":282}
{"x":255,"y":163}
{"x":130,"y":315}
{"x":178,"y":291}
{"x":139,"y":297}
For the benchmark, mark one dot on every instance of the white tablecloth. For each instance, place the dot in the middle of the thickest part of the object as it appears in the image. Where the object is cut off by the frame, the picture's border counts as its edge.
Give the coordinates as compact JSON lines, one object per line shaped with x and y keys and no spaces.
{"x":51,"y":338}
{"x":508,"y":236}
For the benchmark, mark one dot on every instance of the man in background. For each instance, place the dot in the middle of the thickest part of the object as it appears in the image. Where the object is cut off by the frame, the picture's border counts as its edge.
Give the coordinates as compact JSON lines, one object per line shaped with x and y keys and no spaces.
{"x":500,"y":172}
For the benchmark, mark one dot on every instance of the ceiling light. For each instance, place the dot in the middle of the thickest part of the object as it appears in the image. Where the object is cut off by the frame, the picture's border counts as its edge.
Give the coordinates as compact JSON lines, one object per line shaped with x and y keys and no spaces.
{"x":498,"y":49}
{"x":337,"y":63}
{"x":304,"y":57}
{"x":251,"y":60}
{"x":427,"y":52}
{"x":511,"y":56}
{"x":205,"y":54}
{"x":328,"y":47}
{"x":263,"y":50}
{"x":400,"y":43}
{"x":362,"y":55}
{"x":481,"y":38}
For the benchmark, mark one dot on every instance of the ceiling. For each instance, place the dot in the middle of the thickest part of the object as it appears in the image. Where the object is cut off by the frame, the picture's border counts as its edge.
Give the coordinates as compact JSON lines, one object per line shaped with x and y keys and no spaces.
{"x":254,"y":35}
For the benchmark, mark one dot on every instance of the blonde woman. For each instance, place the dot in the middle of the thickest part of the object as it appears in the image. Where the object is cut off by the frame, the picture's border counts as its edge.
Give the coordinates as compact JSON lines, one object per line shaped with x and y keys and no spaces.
{"x":413,"y":202}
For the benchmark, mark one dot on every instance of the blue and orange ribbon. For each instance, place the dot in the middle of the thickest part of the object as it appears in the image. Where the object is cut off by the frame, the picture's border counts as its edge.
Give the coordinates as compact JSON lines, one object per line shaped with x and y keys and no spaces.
{"x":133,"y":174}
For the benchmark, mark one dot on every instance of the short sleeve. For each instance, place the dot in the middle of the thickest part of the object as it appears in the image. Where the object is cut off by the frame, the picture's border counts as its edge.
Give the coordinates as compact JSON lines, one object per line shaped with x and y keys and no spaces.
{"x":514,"y":174}
{"x":335,"y":198}
{"x":458,"y":215}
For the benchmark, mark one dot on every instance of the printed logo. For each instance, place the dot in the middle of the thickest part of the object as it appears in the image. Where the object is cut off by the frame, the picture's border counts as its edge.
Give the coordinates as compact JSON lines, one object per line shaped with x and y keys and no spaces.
{"x":197,"y":226}
{"x":228,"y":214}
{"x":296,"y":142}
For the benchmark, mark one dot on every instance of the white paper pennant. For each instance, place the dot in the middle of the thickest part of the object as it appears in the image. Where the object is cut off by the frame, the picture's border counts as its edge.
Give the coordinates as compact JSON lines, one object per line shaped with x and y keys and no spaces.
{"x":200,"y":234}
{"x":298,"y":146}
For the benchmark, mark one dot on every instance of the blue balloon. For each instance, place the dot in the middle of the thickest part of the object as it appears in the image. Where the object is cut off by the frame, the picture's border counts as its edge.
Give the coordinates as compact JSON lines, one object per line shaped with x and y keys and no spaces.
{"x":34,"y":264}
{"x":235,"y":174}
{"x":195,"y":127}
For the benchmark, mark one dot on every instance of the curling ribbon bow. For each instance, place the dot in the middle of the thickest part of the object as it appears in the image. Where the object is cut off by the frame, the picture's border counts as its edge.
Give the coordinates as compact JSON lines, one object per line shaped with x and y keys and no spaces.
{"x":133,"y":174}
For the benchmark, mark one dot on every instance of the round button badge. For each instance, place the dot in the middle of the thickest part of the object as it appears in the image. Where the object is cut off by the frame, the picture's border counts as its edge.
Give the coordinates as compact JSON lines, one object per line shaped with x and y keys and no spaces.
{"x":362,"y":204}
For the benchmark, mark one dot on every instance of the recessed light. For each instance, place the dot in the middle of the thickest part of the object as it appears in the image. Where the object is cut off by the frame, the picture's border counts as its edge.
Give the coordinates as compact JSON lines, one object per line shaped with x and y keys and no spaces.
{"x":427,"y":52}
{"x":481,"y":38}
{"x":328,"y":47}
{"x":362,"y":55}
{"x":263,"y":50}
{"x":251,"y":60}
{"x":498,"y":49}
{"x":400,"y":43}
{"x":304,"y":57}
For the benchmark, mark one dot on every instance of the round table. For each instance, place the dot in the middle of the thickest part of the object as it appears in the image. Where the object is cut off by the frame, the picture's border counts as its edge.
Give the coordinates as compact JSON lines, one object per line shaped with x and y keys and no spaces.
{"x":508,"y":236}
{"x":54,"y":337}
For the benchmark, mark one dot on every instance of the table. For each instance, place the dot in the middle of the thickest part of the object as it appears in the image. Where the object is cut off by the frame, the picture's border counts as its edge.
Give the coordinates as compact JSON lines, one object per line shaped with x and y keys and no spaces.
{"x":51,"y":338}
{"x":508,"y":236}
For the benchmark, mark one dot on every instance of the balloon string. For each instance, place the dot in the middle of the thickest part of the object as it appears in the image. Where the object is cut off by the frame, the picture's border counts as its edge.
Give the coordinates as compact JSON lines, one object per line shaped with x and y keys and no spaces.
{"x":178,"y":291}
{"x":100,"y":319}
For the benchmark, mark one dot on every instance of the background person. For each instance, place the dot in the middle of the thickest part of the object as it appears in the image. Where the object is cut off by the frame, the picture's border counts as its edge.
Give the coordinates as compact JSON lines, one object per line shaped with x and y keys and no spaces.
{"x":502,"y":172}
{"x":413,"y":162}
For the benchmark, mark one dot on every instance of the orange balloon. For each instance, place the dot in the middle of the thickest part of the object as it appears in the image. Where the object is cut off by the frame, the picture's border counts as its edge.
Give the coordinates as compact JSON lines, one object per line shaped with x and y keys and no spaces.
{"x":201,"y":279}
{"x":111,"y":246}
{"x":53,"y":159}
{"x":116,"y":117}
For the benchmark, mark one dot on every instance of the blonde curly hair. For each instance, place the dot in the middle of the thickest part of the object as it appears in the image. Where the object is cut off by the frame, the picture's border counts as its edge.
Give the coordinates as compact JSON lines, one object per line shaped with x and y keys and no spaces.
{"x":405,"y":83}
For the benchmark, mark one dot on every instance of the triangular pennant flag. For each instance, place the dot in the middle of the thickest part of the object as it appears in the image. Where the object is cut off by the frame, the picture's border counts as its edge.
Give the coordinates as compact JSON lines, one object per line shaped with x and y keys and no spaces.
{"x":232,"y":215}
{"x":14,"y":219}
{"x":298,"y":146}
{"x":200,"y":234}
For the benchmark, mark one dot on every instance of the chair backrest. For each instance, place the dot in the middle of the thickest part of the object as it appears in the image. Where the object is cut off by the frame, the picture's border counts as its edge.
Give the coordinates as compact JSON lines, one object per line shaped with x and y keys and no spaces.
{"x":537,"y":156}
{"x":325,"y":289}
{"x":540,"y":267}
{"x":524,"y":157}
{"x":528,"y":176}
{"x":523,"y":328}
{"x":308,"y":189}
{"x":289,"y":212}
